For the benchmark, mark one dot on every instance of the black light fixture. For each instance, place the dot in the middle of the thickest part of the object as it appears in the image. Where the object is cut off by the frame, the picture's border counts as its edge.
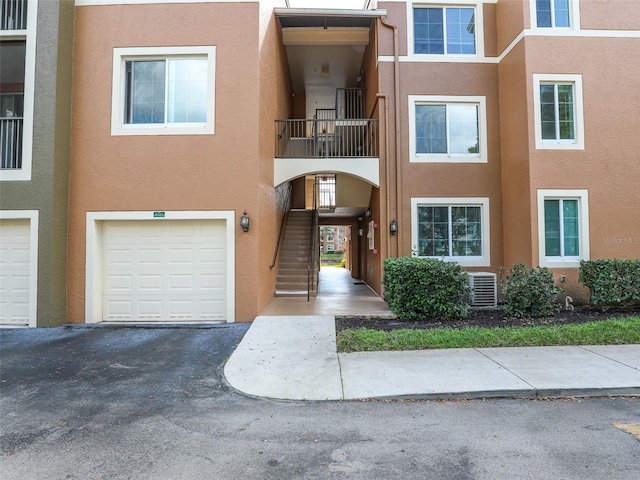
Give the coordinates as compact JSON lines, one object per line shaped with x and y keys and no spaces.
{"x":393,"y":228}
{"x":244,"y":221}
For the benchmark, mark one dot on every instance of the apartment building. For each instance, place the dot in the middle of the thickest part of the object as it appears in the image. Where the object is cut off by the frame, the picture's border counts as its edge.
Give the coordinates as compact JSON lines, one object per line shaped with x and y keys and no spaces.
{"x":36,"y":39}
{"x":513,"y":143}
{"x":208,"y":141}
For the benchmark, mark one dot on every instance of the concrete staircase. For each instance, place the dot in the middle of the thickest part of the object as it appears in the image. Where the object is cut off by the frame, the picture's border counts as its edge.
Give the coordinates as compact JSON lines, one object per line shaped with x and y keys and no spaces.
{"x":294,"y":256}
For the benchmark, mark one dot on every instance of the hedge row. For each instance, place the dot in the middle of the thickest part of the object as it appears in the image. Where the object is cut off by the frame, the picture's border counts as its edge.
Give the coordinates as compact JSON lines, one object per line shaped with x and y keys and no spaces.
{"x":417,"y":288}
{"x":612,"y":283}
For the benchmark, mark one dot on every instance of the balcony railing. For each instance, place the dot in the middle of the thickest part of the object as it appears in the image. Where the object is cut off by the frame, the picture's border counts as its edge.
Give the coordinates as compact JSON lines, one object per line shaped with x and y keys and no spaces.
{"x":11,"y":142}
{"x":322,"y":138}
{"x":13,"y":15}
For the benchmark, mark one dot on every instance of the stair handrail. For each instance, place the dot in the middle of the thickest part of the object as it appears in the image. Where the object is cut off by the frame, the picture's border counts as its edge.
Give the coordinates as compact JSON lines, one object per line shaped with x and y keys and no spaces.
{"x":313,"y":249}
{"x":283,"y":222}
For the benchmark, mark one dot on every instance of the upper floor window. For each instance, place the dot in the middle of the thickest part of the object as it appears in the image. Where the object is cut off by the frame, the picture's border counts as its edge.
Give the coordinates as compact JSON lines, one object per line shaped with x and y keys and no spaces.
{"x":558,"y":111}
{"x":447,"y":129}
{"x":163,"y":91}
{"x":553,"y":13}
{"x":444,"y":30}
{"x":13,"y":15}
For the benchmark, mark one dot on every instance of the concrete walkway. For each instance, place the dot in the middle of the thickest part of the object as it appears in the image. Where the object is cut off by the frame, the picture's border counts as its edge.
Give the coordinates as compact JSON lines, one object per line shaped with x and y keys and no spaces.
{"x":294,"y":357}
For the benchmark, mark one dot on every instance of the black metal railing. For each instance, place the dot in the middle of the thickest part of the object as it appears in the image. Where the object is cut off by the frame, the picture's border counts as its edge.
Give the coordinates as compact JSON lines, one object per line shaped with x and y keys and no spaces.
{"x":11,"y":142}
{"x":313,"y":255}
{"x":321,"y":138}
{"x":13,"y":15}
{"x":285,"y":213}
{"x":350,"y":102}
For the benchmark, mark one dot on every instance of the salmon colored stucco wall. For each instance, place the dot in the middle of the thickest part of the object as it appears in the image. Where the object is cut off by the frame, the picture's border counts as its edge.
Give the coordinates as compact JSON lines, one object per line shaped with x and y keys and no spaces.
{"x":397,"y":15}
{"x":149,"y":173}
{"x":453,"y":179}
{"x":511,"y":16}
{"x":608,"y":167}
{"x":490,"y":32}
{"x":609,"y":14}
{"x":514,"y":134}
{"x":275,"y":102}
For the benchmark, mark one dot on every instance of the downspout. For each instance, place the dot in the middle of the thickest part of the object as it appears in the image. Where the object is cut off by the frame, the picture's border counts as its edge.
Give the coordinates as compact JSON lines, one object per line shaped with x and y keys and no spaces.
{"x":385,"y":99}
{"x":396,"y":107}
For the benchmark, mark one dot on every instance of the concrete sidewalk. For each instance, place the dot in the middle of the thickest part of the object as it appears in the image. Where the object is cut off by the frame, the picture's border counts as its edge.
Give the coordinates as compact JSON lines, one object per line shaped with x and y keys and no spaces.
{"x":295,"y":358}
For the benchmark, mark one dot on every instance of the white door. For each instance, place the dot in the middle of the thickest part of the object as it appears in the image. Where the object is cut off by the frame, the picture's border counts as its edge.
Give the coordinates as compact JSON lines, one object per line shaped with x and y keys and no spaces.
{"x":164,"y":270}
{"x":15,"y":253}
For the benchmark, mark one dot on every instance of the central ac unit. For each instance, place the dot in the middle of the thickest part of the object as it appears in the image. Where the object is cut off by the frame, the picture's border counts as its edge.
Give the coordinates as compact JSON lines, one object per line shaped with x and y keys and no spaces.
{"x":484,"y":290}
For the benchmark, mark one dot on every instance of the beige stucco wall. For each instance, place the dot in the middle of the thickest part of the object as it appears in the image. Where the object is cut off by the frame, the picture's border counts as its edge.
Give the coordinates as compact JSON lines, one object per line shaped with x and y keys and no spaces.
{"x":178,"y":172}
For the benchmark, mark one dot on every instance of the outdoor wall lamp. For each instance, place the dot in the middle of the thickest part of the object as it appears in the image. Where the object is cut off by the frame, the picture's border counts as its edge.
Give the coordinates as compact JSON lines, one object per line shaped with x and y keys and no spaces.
{"x":244,"y":221}
{"x":393,"y":228}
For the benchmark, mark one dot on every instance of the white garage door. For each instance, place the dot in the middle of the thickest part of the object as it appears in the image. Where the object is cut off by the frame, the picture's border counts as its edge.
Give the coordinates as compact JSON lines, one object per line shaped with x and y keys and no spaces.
{"x":164,"y":270}
{"x":14,"y":271}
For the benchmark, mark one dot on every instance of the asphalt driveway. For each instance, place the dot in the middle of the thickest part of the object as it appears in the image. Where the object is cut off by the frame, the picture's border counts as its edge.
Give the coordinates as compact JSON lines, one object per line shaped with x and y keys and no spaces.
{"x":98,"y":403}
{"x":105,"y":374}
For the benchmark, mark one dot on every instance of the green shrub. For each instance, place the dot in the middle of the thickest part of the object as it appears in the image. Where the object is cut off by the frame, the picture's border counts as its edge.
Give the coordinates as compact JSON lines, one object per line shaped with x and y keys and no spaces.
{"x":612,"y":283}
{"x":417,"y":288}
{"x":529,"y":292}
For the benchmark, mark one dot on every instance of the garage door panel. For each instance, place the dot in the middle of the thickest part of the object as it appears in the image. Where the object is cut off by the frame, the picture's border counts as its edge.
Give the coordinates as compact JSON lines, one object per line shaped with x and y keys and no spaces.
{"x":150,"y":283}
{"x":175,"y":270}
{"x":117,"y":256}
{"x":15,"y":264}
{"x":147,"y":256}
{"x":181,"y":256}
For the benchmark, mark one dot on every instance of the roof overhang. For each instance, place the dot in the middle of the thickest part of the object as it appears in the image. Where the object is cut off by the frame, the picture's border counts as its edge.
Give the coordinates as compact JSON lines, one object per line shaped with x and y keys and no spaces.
{"x":326,"y":18}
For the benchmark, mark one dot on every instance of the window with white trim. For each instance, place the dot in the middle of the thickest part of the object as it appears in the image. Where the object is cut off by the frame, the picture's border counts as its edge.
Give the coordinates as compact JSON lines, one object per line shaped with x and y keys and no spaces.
{"x":160,"y":91}
{"x":563,"y":227}
{"x":18,"y":23}
{"x":455,"y":229}
{"x":552,"y":13}
{"x":549,"y":15}
{"x":444,"y":30}
{"x":558,"y":111}
{"x":447,"y":129}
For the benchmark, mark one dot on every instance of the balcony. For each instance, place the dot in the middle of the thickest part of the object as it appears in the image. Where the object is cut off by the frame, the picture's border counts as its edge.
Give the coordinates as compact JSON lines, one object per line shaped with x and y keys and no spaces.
{"x":324,"y":138}
{"x":11,"y":143}
{"x":13,"y":15}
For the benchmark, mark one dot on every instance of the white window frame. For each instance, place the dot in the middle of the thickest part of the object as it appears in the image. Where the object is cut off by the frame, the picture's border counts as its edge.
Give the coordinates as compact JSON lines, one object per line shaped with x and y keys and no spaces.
{"x":122,"y":55}
{"x":482,"y":261}
{"x":576,"y":143}
{"x":582,"y":196}
{"x":439,"y":57}
{"x":480,"y":157}
{"x":574,"y":17}
{"x":24,"y":173}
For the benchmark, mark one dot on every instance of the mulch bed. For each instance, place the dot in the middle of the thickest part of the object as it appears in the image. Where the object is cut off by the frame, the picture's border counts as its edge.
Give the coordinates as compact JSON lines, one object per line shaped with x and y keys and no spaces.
{"x":482,"y":318}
